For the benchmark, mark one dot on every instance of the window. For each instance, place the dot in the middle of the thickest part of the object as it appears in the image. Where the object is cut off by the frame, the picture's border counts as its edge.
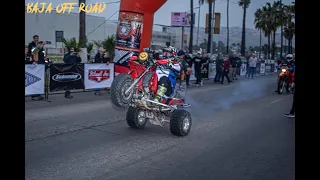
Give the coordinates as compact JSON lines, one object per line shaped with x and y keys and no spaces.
{"x":59,"y":36}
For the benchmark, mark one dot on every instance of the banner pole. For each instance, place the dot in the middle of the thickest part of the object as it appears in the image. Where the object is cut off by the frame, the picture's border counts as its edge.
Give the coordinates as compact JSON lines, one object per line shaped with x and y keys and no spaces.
{"x":46,"y":88}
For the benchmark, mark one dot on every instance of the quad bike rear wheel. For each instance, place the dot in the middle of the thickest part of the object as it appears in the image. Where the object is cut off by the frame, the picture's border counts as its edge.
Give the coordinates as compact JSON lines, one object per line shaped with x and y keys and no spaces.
{"x":136,"y":118}
{"x":180,"y":122}
{"x":118,"y":87}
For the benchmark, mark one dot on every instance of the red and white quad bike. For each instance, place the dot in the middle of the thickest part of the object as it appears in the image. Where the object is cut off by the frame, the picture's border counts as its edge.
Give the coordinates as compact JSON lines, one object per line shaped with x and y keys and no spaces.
{"x":139,"y":94}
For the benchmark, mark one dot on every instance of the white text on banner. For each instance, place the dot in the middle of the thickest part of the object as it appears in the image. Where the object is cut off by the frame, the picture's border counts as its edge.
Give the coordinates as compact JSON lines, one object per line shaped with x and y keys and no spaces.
{"x":262,"y":68}
{"x":243,"y":70}
{"x":98,"y":75}
{"x":34,"y":79}
{"x":212,"y":70}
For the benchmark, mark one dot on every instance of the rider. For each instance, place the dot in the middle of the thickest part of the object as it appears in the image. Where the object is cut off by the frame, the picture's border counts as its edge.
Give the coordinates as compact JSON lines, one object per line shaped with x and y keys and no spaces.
{"x":287,"y":63}
{"x":168,"y":84}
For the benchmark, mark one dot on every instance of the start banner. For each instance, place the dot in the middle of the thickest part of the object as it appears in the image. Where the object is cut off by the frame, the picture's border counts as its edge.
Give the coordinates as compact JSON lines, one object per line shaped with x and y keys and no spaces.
{"x":98,"y":76}
{"x":34,"y":79}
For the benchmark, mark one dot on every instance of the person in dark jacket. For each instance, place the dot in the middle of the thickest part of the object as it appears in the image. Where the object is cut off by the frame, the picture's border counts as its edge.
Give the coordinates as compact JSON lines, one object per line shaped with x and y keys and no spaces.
{"x":233,"y":68}
{"x":291,"y":114}
{"x":239,"y":63}
{"x":101,"y":57}
{"x":198,"y":65}
{"x":219,"y":66}
{"x":226,"y":68}
{"x":28,"y":58}
{"x":72,"y":57}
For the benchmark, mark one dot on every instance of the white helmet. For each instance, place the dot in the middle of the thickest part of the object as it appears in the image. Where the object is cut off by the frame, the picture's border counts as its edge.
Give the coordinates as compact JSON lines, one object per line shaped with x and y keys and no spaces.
{"x":289,"y":57}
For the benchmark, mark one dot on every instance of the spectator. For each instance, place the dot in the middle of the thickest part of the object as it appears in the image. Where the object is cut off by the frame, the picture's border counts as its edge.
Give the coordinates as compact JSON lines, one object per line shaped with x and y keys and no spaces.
{"x":28,"y":58}
{"x":36,"y":53}
{"x":233,"y":68}
{"x":252,"y":65}
{"x":219,"y":66}
{"x":226,"y":68}
{"x":189,"y":61}
{"x":291,"y":114}
{"x":198,"y":65}
{"x":101,"y":57}
{"x":71,"y":57}
{"x":181,"y":85}
{"x":239,"y":63}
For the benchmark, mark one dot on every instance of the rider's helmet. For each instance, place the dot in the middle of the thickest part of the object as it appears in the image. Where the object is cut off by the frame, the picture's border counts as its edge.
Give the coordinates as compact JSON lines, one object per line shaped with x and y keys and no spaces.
{"x":289,"y":57}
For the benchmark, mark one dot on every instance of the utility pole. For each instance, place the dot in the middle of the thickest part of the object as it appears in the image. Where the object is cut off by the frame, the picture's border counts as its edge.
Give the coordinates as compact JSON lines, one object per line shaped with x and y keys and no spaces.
{"x":281,"y":29}
{"x":82,"y":32}
{"x":213,"y":17}
{"x":198,"y":25}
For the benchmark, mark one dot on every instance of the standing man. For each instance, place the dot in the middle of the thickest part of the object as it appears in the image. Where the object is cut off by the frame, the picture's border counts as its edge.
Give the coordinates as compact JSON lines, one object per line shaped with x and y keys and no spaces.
{"x":198,"y":65}
{"x":101,"y":58}
{"x":219,"y":66}
{"x":71,"y":57}
{"x":36,"y":53}
{"x":291,"y":114}
{"x":226,"y":68}
{"x":181,"y":85}
{"x":233,"y":67}
{"x":189,"y":61}
{"x":239,"y":63}
{"x":252,"y":65}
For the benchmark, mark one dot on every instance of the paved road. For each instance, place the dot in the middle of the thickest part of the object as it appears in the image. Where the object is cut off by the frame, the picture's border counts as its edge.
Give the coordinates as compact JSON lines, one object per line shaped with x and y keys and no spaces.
{"x":239,"y":133}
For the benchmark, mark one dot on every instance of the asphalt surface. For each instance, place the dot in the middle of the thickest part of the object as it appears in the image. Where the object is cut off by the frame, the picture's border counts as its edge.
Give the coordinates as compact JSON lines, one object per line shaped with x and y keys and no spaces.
{"x":239,"y":132}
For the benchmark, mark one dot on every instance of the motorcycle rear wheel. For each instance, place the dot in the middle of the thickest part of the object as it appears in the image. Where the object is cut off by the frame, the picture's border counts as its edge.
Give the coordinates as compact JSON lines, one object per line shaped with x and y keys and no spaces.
{"x":180,"y":122}
{"x":135,"y":118}
{"x":118,"y":87}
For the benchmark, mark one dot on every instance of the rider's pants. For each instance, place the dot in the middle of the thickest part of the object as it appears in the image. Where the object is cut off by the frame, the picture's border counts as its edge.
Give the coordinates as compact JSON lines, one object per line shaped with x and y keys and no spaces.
{"x":180,"y":89}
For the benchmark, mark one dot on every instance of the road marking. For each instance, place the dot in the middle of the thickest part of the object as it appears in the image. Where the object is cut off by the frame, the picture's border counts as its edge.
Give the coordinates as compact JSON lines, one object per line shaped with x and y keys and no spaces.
{"x":276,"y":100}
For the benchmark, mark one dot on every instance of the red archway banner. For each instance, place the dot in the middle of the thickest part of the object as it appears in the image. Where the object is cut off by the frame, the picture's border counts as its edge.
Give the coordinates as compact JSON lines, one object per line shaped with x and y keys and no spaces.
{"x":134,"y":30}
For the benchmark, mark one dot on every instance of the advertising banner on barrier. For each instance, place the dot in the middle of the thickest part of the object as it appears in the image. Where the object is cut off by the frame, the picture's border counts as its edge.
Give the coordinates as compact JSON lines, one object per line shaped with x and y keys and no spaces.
{"x":262,"y":68}
{"x":98,"y":76}
{"x":212,"y":70}
{"x":34,"y":79}
{"x":66,"y":76}
{"x":243,"y":70}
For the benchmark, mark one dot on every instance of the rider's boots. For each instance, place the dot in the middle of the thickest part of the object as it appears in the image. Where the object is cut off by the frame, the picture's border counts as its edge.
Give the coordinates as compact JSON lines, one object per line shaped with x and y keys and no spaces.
{"x":160,"y":92}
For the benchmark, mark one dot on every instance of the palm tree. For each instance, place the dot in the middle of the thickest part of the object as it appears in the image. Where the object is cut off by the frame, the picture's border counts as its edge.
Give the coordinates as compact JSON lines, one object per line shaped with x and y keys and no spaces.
{"x":68,"y":43}
{"x":210,"y":3}
{"x":275,"y":9}
{"x":191,"y":27}
{"x":228,"y":26}
{"x":244,"y":4}
{"x":82,"y":24}
{"x":288,"y":32}
{"x":89,"y":49}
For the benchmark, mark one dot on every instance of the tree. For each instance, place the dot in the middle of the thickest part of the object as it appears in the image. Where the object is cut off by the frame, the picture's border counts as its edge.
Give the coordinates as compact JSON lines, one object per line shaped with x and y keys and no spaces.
{"x":244,"y":4}
{"x":82,"y":24}
{"x":204,"y":43}
{"x":221,"y":47}
{"x":89,"y":49}
{"x":289,"y":25}
{"x":275,"y":23}
{"x":210,"y":3}
{"x":228,"y":26}
{"x":68,"y":43}
{"x":191,"y":27}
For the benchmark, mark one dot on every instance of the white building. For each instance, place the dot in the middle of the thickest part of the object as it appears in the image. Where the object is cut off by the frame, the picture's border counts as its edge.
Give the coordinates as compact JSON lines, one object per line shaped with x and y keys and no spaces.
{"x":53,"y":26}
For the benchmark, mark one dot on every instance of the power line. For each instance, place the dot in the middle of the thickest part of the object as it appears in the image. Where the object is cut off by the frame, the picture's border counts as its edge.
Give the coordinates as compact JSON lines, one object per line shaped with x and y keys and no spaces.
{"x":102,"y":23}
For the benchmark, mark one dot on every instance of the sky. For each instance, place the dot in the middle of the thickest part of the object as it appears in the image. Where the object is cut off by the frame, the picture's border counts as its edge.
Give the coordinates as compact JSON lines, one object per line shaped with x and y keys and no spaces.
{"x":163,"y":15}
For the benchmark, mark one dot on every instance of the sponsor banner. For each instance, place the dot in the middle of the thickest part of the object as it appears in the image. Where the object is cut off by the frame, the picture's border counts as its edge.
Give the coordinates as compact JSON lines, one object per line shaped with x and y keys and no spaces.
{"x":98,"y":76}
{"x":34,"y":79}
{"x":181,"y":19}
{"x":262,"y":68}
{"x":129,"y":31}
{"x":212,"y":70}
{"x":243,"y":70}
{"x":66,"y":76}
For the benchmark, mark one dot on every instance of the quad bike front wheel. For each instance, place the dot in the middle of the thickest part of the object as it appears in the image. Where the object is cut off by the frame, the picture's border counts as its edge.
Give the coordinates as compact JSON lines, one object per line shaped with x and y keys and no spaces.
{"x":180,"y":122}
{"x":136,"y":118}
{"x":118,"y":88}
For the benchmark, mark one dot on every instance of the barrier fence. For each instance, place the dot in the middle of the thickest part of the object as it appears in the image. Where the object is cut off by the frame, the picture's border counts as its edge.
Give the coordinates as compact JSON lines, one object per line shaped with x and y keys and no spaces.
{"x":43,"y":80}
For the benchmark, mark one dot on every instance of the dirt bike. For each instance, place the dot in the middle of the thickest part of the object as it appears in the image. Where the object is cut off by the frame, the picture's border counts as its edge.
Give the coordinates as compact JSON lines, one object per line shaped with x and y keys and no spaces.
{"x":139,"y":94}
{"x":285,"y":80}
